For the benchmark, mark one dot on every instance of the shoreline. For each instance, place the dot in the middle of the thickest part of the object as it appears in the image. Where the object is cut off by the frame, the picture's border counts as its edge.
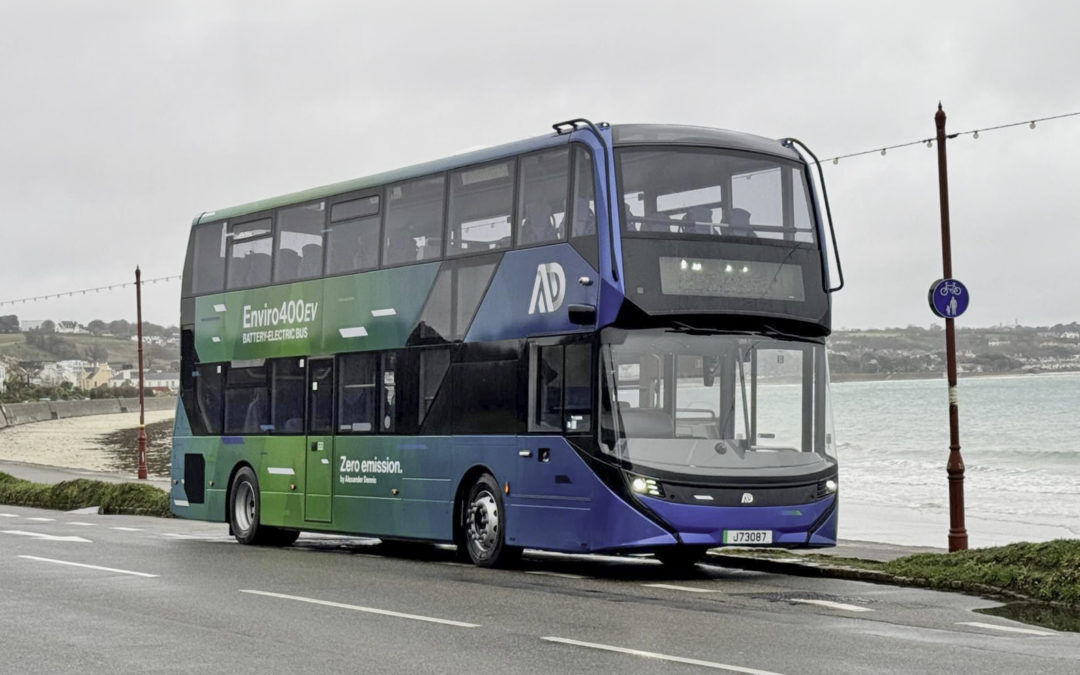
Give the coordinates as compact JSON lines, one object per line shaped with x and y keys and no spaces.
{"x":842,"y":378}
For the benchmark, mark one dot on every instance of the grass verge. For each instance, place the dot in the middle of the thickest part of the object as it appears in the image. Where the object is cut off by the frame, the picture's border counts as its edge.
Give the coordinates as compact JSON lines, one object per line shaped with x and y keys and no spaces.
{"x":1047,"y":572}
{"x":112,"y":498}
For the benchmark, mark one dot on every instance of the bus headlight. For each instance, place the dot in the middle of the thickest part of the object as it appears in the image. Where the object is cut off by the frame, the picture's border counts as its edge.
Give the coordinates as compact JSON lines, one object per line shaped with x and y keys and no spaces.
{"x":830,"y":485}
{"x":646,"y":486}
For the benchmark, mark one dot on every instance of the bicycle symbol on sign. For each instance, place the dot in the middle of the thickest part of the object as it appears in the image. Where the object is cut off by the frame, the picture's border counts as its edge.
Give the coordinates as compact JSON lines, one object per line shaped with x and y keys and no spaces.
{"x":950,"y":287}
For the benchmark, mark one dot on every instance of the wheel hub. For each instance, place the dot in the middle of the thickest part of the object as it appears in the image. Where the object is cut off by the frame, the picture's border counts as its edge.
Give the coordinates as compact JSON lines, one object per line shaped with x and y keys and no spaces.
{"x":244,"y":506}
{"x":483,"y":524}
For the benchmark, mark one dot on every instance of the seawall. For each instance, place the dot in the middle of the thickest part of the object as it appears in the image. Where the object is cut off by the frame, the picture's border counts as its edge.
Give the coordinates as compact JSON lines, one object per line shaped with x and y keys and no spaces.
{"x":12,"y":414}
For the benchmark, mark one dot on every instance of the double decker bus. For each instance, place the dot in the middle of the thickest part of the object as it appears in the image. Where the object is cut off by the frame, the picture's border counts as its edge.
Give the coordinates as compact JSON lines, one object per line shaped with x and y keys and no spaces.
{"x":604,"y":339}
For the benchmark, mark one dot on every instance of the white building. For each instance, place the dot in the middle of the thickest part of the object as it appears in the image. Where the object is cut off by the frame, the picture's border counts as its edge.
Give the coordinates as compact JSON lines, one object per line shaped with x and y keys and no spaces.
{"x":157,"y":380}
{"x":162,"y":381}
{"x":55,"y":374}
{"x":70,"y":328}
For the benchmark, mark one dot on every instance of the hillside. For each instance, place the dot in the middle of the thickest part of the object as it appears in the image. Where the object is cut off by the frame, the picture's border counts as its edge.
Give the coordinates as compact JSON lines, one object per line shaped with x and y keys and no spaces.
{"x":920,"y":352}
{"x":87,"y":348}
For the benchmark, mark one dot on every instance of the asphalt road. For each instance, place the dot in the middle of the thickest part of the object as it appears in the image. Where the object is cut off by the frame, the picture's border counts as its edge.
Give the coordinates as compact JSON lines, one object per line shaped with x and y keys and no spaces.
{"x":109,"y":594}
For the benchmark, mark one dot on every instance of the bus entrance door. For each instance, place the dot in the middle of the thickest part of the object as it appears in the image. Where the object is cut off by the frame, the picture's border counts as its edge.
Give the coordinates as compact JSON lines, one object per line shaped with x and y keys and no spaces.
{"x":318,"y":491}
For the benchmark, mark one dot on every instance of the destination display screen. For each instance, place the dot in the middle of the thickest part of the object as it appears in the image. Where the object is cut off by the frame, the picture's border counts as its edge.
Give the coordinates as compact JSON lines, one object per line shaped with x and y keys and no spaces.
{"x":713,"y":277}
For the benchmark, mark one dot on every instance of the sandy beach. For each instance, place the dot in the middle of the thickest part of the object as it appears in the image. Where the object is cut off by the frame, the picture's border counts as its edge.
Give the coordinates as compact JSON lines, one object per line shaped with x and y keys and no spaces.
{"x":72,"y":443}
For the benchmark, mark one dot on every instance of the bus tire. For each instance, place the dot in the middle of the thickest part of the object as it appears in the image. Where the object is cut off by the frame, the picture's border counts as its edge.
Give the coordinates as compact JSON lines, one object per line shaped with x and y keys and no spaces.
{"x":244,"y":514}
{"x":681,"y":556}
{"x":484,"y":525}
{"x":284,"y":537}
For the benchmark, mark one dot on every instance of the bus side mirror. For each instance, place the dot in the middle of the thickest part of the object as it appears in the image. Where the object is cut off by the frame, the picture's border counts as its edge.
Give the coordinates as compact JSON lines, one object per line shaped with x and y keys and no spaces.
{"x":582,"y":315}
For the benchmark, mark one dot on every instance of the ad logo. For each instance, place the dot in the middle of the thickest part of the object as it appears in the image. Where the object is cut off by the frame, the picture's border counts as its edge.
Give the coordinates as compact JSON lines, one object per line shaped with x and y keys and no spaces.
{"x":549,"y":289}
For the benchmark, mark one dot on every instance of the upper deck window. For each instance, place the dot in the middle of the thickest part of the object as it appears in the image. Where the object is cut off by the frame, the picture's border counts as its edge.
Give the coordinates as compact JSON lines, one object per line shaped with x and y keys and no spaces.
{"x":352,"y":240}
{"x":542,"y":203}
{"x":700,"y":191}
{"x":250,"y":254}
{"x":209,"y":267}
{"x":299,"y":242}
{"x":481,"y":202}
{"x":414,"y":220}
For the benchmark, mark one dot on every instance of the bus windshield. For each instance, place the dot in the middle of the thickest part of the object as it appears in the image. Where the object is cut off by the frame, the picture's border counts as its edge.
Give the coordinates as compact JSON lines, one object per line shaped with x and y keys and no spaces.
{"x":714,"y":404}
{"x":702,"y":191}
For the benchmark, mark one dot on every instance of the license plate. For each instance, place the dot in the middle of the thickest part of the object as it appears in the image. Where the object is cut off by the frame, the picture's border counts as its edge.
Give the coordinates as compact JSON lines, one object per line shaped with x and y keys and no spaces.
{"x":747,"y":536}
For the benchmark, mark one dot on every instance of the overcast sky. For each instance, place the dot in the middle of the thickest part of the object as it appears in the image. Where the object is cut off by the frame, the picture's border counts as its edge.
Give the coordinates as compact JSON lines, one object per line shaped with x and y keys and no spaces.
{"x":121,"y":121}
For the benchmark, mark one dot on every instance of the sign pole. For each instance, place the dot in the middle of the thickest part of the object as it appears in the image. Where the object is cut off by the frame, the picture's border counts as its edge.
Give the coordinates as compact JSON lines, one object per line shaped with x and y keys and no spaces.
{"x":958,"y":538}
{"x":142,"y":404}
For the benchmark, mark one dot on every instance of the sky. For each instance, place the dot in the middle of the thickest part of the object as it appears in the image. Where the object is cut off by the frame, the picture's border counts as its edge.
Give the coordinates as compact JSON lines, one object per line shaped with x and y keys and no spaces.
{"x":122,"y":121}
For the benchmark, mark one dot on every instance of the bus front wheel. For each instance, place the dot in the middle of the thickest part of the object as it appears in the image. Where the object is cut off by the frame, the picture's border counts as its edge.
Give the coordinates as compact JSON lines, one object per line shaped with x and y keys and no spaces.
{"x":484,"y":526}
{"x":244,"y":510}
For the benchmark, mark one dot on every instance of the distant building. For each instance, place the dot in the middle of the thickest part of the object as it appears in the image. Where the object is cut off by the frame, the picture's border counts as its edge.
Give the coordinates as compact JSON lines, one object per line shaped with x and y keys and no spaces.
{"x":96,"y":375}
{"x":157,"y":380}
{"x":162,"y":382}
{"x":27,"y":325}
{"x":125,"y":376}
{"x":56,"y":374}
{"x":70,"y":328}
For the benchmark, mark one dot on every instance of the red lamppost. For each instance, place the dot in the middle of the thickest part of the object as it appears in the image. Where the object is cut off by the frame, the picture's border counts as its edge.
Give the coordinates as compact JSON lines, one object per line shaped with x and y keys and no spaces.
{"x":948,"y":298}
{"x":142,"y":404}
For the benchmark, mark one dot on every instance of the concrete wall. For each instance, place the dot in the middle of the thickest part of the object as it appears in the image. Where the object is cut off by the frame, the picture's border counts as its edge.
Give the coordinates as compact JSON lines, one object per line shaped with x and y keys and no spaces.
{"x":100,"y":406}
{"x":152,"y":403}
{"x":25,"y":413}
{"x":41,"y":411}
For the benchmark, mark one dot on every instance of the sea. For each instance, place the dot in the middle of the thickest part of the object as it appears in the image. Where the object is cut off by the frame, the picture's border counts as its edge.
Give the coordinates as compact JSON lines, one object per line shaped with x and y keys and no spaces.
{"x":1019,"y":439}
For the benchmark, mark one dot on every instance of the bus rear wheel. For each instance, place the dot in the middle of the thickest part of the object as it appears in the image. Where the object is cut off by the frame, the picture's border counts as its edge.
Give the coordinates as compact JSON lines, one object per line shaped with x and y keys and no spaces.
{"x":484,"y":526}
{"x":244,"y":514}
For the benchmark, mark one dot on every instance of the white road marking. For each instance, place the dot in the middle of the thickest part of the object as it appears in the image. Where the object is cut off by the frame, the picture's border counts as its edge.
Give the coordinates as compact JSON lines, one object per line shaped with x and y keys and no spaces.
{"x":127,"y":529}
{"x":89,"y":567}
{"x":661,"y":657}
{"x":182,"y":536}
{"x":88,"y":511}
{"x":41,"y":520}
{"x":560,"y":575}
{"x":689,"y":589}
{"x":368,"y":610}
{"x":833,"y":605}
{"x":8,"y":515}
{"x":1007,"y":629}
{"x":79,"y":522}
{"x":46,"y":537}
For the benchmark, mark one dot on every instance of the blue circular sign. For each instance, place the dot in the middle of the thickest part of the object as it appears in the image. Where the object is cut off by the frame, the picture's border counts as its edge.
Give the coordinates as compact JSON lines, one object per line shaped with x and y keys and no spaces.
{"x":948,"y":298}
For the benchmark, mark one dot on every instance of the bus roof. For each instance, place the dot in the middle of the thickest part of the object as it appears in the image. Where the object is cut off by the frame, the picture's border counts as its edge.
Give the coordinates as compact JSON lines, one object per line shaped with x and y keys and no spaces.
{"x":676,"y":134}
{"x":623,"y":134}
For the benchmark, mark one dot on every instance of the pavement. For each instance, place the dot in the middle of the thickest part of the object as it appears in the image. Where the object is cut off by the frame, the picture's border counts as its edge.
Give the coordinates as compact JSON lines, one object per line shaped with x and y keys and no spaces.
{"x":39,"y":473}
